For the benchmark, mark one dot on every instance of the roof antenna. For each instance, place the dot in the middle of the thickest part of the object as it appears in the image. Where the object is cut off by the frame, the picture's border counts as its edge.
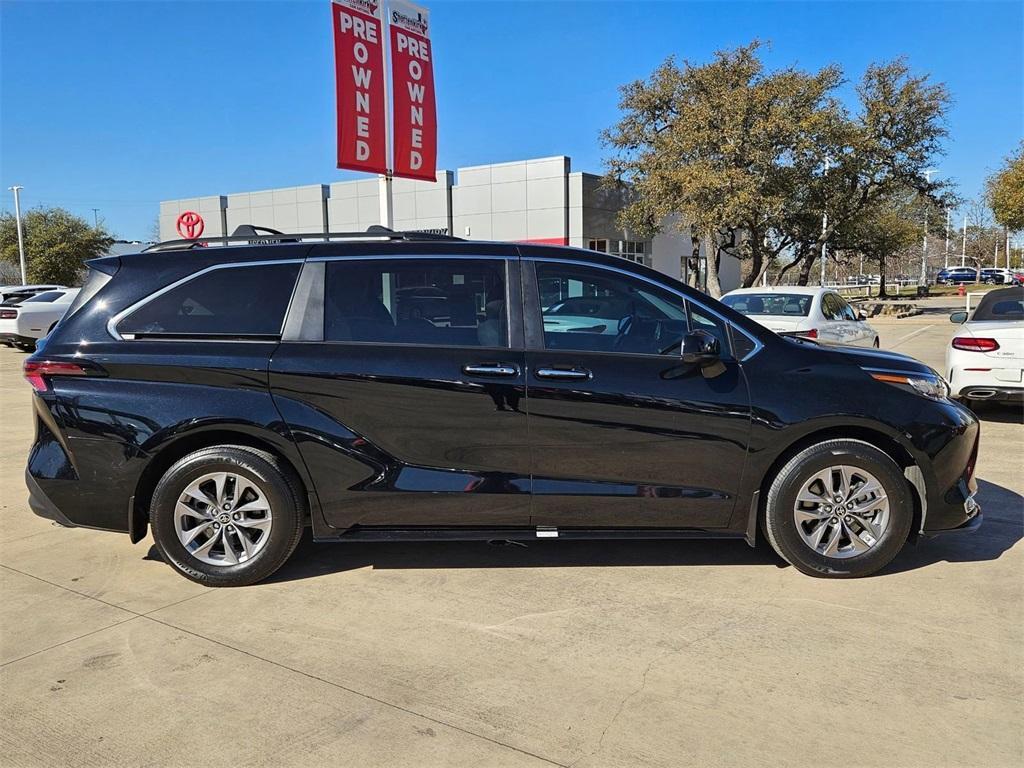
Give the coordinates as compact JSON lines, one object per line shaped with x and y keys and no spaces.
{"x":379,"y":229}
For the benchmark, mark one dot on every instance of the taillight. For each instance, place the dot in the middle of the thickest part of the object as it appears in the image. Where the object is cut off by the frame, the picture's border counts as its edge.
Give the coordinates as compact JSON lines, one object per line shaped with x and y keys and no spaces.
{"x":8,"y":314}
{"x":37,"y":371}
{"x":972,"y":344}
{"x":811,"y":334}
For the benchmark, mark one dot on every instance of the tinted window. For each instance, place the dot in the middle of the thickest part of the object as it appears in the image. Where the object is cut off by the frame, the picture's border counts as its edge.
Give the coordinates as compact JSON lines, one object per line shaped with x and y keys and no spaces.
{"x":233,"y":301}
{"x":589,"y":309}
{"x":845,"y":310}
{"x":770,"y":303}
{"x":46,"y":296}
{"x":441,"y":302}
{"x":830,"y":307}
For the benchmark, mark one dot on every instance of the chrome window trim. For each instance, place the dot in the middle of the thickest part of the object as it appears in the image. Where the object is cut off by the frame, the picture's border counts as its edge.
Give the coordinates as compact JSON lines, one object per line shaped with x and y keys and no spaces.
{"x":113,"y":321}
{"x":758,"y":345}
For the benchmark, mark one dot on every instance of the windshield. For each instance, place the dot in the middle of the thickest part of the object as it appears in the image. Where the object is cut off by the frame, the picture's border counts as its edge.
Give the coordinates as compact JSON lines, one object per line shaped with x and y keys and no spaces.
{"x":794,"y":304}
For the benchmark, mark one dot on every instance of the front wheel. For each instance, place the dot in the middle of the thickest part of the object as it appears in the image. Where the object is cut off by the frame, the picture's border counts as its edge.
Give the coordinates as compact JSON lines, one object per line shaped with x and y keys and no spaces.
{"x":227,"y":516}
{"x":839,"y":509}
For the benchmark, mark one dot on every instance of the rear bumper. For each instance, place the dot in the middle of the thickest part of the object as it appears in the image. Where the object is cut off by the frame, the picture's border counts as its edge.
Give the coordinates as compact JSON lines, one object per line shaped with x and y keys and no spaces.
{"x":16,"y":338}
{"x":42,"y":505}
{"x":1001,"y":394}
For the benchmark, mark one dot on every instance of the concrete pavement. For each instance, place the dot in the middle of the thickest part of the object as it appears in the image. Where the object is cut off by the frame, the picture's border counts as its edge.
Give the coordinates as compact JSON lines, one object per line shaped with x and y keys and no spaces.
{"x":563,"y":653}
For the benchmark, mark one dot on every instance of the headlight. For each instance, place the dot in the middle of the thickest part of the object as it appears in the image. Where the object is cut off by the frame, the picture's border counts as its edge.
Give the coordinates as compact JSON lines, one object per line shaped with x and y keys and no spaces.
{"x":928,"y":384}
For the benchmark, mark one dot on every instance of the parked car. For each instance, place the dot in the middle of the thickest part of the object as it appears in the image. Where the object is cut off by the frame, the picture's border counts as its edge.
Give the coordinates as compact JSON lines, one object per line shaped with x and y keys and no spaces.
{"x":997,"y":276}
{"x":15,"y":294}
{"x":224,"y":397}
{"x":813,"y":313}
{"x":24,"y":323}
{"x":956,"y":276}
{"x":985,"y":359}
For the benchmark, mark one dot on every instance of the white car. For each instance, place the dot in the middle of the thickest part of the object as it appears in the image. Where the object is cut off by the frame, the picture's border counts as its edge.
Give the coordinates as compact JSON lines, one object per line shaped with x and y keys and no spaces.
{"x":23,"y":324}
{"x":15,"y":294}
{"x":985,"y":359}
{"x":813,"y":313}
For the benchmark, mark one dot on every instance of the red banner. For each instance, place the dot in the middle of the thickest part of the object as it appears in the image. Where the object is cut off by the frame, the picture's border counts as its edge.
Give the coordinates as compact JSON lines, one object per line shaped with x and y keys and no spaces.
{"x":412,"y":92}
{"x":359,"y":68}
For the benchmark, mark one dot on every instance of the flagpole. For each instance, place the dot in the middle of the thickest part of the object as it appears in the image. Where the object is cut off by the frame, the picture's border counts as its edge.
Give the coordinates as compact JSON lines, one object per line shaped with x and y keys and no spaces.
{"x":385,"y":180}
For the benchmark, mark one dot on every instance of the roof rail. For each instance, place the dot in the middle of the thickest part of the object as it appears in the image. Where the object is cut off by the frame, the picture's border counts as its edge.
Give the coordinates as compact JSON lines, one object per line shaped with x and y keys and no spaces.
{"x":250,"y":234}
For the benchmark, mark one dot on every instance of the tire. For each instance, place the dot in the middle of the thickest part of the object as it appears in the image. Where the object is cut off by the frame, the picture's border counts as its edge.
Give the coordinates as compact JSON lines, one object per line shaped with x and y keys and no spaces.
{"x":860,"y":460}
{"x":273,"y":534}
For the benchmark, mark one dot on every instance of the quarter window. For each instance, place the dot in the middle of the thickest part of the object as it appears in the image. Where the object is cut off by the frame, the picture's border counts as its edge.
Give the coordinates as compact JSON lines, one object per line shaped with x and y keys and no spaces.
{"x":441,"y":302}
{"x":243,"y":301}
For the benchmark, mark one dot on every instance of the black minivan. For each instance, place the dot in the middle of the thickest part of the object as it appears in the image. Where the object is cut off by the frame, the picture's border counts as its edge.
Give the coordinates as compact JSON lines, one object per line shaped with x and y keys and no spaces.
{"x":386,"y":386}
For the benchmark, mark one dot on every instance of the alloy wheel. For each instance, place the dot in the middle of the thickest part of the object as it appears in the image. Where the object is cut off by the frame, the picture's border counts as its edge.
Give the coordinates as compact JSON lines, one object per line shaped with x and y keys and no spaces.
{"x":223,"y":518}
{"x":841,"y":511}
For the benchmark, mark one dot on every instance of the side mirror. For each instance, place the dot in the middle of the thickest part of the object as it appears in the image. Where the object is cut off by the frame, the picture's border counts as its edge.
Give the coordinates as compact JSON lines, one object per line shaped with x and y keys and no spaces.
{"x":958,"y":317}
{"x":700,"y":348}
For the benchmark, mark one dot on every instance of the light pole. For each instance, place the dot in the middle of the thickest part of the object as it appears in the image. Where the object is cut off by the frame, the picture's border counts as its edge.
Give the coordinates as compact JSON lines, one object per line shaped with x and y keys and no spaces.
{"x":923,"y":278}
{"x":946,"y":262}
{"x":824,"y":228}
{"x":963,"y":249}
{"x":21,"y":237}
{"x":95,"y":218}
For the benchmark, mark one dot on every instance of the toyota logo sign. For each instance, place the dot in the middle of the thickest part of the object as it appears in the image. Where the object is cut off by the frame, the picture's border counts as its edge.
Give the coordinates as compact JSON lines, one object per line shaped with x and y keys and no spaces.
{"x":190,"y":225}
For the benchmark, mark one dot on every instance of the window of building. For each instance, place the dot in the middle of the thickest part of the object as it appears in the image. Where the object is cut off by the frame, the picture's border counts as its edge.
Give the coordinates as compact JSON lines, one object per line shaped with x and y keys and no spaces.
{"x":441,"y":302}
{"x":242,"y":301}
{"x":598,"y":245}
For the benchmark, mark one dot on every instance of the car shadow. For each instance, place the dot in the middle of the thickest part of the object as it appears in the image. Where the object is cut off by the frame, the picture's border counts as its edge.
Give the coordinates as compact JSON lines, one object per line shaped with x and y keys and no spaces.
{"x":1001,"y":413}
{"x":312,"y":559}
{"x":1002,"y":529}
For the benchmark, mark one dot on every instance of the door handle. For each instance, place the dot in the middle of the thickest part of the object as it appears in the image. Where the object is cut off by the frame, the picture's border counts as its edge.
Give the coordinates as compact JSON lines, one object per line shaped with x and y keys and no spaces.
{"x":490,"y":369}
{"x":573,"y":374}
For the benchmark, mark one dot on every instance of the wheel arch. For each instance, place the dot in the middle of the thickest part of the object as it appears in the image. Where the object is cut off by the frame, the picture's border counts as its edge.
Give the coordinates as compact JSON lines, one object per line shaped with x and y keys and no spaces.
{"x":168,"y":454}
{"x":874,"y":437}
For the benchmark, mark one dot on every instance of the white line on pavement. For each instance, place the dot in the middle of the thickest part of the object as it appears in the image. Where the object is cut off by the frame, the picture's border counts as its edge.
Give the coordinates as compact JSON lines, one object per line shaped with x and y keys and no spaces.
{"x":910,"y":335}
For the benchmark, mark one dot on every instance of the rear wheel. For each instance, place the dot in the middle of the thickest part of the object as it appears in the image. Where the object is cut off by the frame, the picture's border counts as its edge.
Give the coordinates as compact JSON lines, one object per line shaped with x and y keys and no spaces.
{"x":227,"y":516}
{"x":839,"y":509}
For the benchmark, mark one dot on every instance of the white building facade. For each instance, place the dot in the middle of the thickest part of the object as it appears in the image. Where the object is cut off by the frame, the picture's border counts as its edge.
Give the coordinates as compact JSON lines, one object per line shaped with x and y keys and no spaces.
{"x":538,"y":201}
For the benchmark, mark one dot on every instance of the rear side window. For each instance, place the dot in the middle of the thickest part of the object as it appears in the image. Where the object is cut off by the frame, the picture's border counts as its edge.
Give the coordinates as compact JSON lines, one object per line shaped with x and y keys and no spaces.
{"x":239,"y":301}
{"x":830,"y":307}
{"x":441,"y":302}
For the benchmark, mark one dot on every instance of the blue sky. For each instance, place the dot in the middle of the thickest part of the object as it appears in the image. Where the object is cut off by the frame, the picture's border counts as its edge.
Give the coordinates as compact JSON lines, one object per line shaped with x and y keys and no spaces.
{"x":118,"y":105}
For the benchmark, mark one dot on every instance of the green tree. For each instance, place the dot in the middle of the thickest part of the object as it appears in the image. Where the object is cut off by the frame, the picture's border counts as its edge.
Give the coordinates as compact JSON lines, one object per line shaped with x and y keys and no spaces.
{"x":726,"y":145}
{"x":878,"y":153}
{"x":752,"y":160}
{"x":57,"y":243}
{"x":1005,"y":192}
{"x":882,"y":231}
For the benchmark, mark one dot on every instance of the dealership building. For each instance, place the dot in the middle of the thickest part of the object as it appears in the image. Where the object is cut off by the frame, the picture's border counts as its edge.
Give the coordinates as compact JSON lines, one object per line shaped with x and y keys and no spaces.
{"x":536,"y":201}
